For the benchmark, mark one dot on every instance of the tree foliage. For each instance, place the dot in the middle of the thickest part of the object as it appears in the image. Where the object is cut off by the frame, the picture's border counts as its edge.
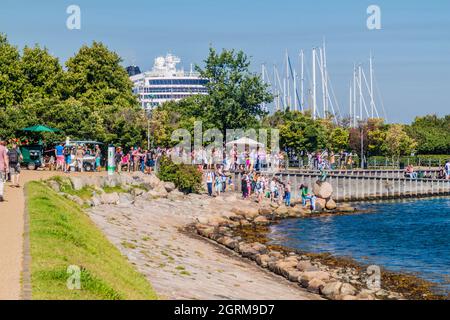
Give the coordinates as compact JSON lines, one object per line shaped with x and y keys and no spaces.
{"x":431,"y":133}
{"x":92,"y":99}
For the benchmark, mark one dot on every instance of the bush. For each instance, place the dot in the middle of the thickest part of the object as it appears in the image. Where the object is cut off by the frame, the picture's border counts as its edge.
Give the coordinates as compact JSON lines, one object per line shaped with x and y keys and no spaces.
{"x":185,"y":177}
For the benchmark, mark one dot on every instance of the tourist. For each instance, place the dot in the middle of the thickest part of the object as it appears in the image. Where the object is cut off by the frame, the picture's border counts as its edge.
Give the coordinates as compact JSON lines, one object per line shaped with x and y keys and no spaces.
{"x":306,"y":196}
{"x":287,"y":194}
{"x":67,"y":158}
{"x":59,"y":154}
{"x":14,"y":159}
{"x":79,"y":159}
{"x":447,"y":170}
{"x":3,"y":168}
{"x":209,"y":182}
{"x":98,"y":157}
{"x":118,"y":159}
{"x":218,"y":184}
{"x":332,"y":161}
{"x":259,"y":188}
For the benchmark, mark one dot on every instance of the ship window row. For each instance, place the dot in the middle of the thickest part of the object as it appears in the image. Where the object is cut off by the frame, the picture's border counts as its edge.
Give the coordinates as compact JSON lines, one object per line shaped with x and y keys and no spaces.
{"x":200,"y":82}
{"x":164,"y":96}
{"x":157,"y":90}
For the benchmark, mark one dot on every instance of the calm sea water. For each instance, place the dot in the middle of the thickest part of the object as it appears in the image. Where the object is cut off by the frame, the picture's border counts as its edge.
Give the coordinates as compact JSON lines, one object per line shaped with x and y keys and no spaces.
{"x":406,"y":236}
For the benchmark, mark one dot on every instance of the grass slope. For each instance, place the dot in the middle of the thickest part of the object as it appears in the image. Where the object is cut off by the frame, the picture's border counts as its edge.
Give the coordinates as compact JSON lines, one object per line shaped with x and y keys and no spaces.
{"x":61,"y":235}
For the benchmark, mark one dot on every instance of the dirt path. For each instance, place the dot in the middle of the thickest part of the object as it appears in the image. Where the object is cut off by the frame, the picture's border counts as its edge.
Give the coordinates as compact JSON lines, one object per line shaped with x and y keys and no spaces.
{"x":11,"y":235}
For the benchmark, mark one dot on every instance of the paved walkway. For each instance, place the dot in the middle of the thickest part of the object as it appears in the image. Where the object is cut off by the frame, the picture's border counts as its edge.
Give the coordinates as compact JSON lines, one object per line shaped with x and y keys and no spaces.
{"x":11,"y":235}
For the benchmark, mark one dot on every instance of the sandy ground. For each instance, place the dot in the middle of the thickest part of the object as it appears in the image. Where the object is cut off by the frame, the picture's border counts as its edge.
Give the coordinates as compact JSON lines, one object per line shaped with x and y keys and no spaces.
{"x":182,"y":266}
{"x":11,"y":235}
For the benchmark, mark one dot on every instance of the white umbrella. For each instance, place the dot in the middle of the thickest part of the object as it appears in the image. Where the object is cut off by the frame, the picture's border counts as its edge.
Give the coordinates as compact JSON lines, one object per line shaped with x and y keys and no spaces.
{"x":245,"y":141}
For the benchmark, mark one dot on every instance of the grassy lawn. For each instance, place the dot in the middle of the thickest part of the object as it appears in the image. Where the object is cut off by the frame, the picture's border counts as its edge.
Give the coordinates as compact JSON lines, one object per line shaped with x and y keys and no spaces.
{"x":61,"y":235}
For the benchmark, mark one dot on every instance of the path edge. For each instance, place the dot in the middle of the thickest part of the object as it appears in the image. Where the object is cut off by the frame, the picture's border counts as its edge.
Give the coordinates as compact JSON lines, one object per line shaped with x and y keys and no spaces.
{"x":25,"y":290}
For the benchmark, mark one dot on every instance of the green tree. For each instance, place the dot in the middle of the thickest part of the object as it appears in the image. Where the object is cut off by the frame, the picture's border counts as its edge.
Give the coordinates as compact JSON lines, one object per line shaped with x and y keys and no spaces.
{"x":11,"y":76}
{"x":299,"y":131}
{"x":235,"y":94}
{"x":431,"y":133}
{"x":397,"y":142}
{"x":42,"y":71}
{"x":339,"y":139}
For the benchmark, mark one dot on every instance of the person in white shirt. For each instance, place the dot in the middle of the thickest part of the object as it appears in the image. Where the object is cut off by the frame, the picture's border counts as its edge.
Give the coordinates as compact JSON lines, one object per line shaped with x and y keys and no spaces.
{"x":447,"y":170}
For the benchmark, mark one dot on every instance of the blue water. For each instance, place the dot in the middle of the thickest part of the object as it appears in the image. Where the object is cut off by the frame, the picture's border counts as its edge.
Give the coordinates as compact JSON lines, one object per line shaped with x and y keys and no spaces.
{"x":406,"y":236}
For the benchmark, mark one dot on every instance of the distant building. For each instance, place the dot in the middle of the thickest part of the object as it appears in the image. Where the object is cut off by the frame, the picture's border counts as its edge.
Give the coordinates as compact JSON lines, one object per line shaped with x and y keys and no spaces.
{"x":165,"y":83}
{"x":133,"y":70}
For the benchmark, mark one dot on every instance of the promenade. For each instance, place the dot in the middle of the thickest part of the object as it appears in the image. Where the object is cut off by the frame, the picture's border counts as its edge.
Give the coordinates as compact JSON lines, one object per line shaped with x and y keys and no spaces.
{"x":12,"y":234}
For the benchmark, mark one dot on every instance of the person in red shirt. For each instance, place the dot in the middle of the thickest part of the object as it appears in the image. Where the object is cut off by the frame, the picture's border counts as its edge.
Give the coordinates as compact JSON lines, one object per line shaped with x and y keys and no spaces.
{"x":4,"y":162}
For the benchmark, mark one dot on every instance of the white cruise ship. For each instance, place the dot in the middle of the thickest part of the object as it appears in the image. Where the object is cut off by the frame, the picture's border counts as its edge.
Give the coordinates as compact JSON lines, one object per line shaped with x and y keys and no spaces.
{"x":164,"y":83}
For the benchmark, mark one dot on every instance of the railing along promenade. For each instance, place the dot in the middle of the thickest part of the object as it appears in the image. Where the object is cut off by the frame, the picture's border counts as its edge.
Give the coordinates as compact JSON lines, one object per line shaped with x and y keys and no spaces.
{"x":358,"y":185}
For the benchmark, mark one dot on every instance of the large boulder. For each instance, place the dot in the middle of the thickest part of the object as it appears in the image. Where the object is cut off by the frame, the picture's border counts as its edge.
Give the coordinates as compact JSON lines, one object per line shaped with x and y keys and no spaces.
{"x":261,"y":220}
{"x":331,"y":204}
{"x":125,"y":199}
{"x":77,"y":183}
{"x":281,"y":211}
{"x":110,"y":198}
{"x":54,"y":185}
{"x":175,"y":195}
{"x":263,"y":260}
{"x":347,"y":289}
{"x":247,"y":251}
{"x":265,"y":210}
{"x":315,"y":285}
{"x":112,"y":181}
{"x":306,"y":265}
{"x":323,"y":189}
{"x":250,"y":213}
{"x":332,"y":289}
{"x":169,"y":186}
{"x":307,"y":276}
{"x":76,"y":199}
{"x":283,"y":267}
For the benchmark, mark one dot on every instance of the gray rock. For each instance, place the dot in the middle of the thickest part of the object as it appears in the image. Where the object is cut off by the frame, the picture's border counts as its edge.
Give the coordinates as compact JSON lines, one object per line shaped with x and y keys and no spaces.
{"x":347,"y":289}
{"x":95,"y":201}
{"x":76,"y":199}
{"x":306,"y":265}
{"x":54,"y":185}
{"x":315,"y":285}
{"x":169,"y":186}
{"x":110,"y":198}
{"x":331,"y":289}
{"x":77,"y":183}
{"x":125,"y":199}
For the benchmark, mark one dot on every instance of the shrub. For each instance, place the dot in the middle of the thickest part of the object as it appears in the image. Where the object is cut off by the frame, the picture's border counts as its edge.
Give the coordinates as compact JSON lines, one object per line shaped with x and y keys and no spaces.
{"x":185,"y":177}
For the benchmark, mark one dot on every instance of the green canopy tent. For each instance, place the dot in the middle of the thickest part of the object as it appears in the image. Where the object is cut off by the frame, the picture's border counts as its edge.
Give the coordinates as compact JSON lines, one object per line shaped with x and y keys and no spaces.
{"x":40,"y":128}
{"x":33,"y":154}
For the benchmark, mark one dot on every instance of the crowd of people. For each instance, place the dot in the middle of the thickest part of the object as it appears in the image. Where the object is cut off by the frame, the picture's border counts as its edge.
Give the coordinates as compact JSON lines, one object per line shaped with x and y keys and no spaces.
{"x":215,"y":163}
{"x":256,"y":186}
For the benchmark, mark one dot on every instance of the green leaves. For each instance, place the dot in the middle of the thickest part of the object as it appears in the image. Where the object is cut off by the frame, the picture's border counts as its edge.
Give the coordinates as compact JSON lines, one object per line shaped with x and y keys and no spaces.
{"x":91,"y":100}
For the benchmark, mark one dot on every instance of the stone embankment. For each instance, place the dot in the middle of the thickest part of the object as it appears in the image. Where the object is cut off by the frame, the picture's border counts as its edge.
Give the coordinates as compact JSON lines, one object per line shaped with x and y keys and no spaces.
{"x":337,"y":283}
{"x":230,"y":222}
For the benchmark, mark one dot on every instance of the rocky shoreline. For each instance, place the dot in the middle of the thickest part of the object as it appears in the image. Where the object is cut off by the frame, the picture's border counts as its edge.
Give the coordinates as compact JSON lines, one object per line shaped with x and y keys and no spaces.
{"x":244,"y":230}
{"x":240,"y":227}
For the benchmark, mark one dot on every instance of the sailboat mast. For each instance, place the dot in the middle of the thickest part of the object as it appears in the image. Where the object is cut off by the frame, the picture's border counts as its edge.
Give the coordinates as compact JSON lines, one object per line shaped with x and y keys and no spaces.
{"x":302,"y":81}
{"x":314,"y":83}
{"x":372,"y":100}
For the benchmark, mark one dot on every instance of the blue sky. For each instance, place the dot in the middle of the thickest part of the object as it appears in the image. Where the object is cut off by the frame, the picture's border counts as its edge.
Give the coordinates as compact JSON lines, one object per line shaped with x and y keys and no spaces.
{"x":412,"y":51}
